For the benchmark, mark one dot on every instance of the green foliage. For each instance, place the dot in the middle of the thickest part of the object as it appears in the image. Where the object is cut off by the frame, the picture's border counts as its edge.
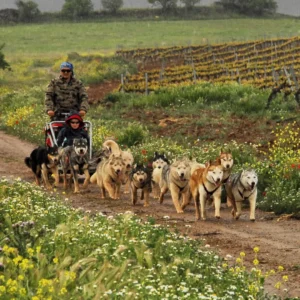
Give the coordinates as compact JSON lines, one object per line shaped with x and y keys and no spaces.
{"x":132,"y":135}
{"x":112,"y":6}
{"x":282,"y":196}
{"x":3,"y":63}
{"x":28,"y":10}
{"x":190,"y":4}
{"x":250,"y":7}
{"x":77,"y":8}
{"x":65,"y":254}
{"x":167,"y":5}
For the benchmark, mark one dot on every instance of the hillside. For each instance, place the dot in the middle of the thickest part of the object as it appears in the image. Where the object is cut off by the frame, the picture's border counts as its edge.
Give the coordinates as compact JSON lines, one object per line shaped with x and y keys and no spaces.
{"x":288,"y":7}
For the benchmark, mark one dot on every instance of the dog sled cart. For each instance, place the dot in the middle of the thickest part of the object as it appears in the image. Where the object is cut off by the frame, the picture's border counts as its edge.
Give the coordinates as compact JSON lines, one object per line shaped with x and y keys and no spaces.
{"x":54,"y":126}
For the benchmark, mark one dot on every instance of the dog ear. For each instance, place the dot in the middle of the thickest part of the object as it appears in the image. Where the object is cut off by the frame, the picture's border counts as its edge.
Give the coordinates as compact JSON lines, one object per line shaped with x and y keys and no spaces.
{"x":208,"y":163}
{"x":175,"y":163}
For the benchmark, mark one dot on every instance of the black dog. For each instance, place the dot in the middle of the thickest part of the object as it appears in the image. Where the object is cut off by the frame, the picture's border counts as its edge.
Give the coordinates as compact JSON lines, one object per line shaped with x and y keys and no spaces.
{"x":43,"y":161}
{"x":140,"y":178}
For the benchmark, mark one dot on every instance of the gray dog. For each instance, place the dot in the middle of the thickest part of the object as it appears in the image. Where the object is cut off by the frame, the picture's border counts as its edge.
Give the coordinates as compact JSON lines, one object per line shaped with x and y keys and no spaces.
{"x":75,"y":159}
{"x":239,"y":187}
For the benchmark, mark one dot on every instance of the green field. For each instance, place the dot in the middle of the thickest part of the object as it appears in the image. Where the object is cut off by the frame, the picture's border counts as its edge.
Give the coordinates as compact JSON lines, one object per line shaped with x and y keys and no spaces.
{"x":60,"y":39}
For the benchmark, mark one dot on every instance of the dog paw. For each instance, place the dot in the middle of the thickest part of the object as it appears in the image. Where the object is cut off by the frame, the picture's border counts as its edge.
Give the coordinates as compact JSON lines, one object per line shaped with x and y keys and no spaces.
{"x":252,"y":220}
{"x":218,"y":217}
{"x":146,"y":205}
{"x":180,"y":211}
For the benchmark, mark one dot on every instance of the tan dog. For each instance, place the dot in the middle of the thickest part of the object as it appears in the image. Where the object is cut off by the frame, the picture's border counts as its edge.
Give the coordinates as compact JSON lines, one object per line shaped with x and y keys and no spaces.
{"x":175,"y":177}
{"x":109,"y":176}
{"x":127,"y":157}
{"x":205,"y":183}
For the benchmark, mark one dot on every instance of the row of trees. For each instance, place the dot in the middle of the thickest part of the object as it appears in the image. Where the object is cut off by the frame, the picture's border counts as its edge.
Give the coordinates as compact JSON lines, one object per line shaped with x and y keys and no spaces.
{"x":28,"y":9}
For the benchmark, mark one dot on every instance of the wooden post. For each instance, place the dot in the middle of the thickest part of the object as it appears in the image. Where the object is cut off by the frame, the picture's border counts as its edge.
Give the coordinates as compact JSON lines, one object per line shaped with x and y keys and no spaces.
{"x":146,"y":83}
{"x":122,"y":83}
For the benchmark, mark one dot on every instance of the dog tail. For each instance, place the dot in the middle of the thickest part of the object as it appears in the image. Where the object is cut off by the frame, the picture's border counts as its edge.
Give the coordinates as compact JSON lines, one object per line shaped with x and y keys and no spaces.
{"x":93,"y":178}
{"x":112,"y":146}
{"x":28,"y":162}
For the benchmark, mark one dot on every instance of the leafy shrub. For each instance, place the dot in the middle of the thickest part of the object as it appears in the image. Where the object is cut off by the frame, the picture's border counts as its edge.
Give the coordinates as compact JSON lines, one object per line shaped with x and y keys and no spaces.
{"x":3,"y":63}
{"x":77,"y":8}
{"x":28,"y":10}
{"x":112,"y":5}
{"x":132,"y":135}
{"x":283,"y":196}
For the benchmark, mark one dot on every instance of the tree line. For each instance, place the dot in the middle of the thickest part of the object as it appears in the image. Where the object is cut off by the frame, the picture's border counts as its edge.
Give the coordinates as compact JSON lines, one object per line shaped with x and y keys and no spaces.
{"x":28,"y":10}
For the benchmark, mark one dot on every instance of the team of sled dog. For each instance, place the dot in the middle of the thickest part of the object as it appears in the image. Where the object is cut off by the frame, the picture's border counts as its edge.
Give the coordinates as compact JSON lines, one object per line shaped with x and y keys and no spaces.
{"x":184,"y":179}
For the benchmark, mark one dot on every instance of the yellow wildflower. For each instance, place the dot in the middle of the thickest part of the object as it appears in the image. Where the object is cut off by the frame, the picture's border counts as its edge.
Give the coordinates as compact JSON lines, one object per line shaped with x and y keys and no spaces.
{"x":238,"y":260}
{"x":256,"y":249}
{"x":285,"y":278}
{"x":55,"y":260}
{"x":280,"y":268}
{"x":278,"y":285}
{"x":30,"y":252}
{"x":63,"y":291}
{"x":22,"y":292}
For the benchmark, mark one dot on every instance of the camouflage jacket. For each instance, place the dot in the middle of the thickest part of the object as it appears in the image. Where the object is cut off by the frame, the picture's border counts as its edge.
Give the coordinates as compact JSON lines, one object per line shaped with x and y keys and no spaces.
{"x":65,"y":97}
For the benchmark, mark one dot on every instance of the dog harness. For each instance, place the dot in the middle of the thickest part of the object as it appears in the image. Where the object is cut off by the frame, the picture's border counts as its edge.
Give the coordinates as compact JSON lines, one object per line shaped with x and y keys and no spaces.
{"x":225,"y":180}
{"x":211,"y":192}
{"x":242,"y":193}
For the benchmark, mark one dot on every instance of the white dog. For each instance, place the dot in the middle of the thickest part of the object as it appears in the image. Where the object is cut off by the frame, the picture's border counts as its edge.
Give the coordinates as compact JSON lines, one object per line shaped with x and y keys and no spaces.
{"x":159,"y":161}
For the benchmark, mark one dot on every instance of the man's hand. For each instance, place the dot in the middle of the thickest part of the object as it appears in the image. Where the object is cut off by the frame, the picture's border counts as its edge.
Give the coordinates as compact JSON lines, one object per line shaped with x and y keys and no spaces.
{"x":50,"y":113}
{"x":82,"y":113}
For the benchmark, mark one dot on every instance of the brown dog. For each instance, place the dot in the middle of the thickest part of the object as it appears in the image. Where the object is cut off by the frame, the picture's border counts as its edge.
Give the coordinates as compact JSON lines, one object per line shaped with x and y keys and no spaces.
{"x":205,"y":183}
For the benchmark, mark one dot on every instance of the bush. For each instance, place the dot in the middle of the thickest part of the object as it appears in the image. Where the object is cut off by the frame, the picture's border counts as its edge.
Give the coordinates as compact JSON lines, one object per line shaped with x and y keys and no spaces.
{"x":28,"y":10}
{"x":132,"y":135}
{"x":3,"y":63}
{"x":112,"y":6}
{"x":77,"y":8}
{"x":250,"y":7}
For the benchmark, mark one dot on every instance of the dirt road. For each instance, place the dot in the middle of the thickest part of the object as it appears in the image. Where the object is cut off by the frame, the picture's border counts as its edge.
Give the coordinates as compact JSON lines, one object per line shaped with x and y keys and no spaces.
{"x":277,"y":238}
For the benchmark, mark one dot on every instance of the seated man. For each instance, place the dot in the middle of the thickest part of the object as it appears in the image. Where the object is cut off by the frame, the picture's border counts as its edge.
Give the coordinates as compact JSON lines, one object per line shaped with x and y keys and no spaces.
{"x":65,"y":93}
{"x":74,"y":128}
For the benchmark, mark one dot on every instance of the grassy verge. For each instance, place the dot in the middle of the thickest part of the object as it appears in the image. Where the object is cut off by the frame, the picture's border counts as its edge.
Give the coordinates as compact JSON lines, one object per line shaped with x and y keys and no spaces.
{"x":51,"y":251}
